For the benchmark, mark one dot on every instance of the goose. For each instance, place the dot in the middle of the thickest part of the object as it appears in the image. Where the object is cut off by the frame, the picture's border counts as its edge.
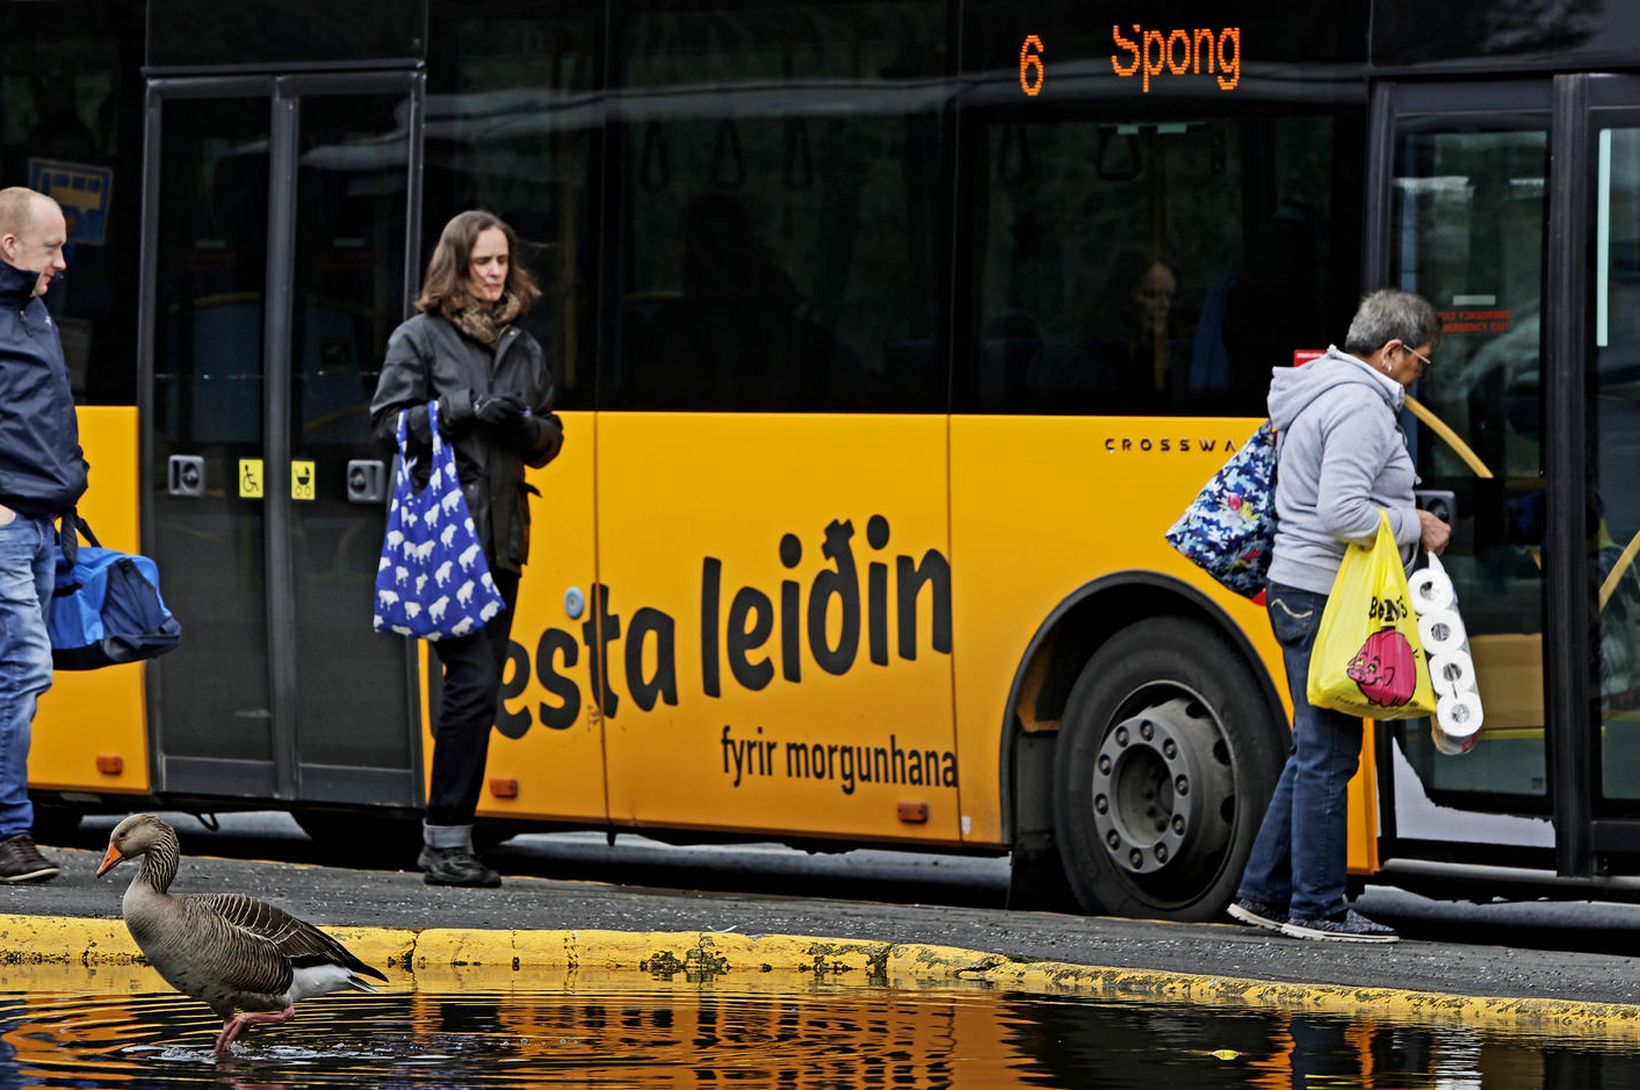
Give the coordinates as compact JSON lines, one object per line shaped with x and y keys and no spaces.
{"x":230,"y":950}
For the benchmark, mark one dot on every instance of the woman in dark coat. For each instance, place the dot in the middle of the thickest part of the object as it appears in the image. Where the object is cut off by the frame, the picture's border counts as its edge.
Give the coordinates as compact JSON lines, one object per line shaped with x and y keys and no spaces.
{"x":495,"y":399}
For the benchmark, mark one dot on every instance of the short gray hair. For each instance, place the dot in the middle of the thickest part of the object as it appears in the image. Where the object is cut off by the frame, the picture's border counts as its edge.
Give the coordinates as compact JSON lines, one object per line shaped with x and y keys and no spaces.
{"x":1391,"y":315}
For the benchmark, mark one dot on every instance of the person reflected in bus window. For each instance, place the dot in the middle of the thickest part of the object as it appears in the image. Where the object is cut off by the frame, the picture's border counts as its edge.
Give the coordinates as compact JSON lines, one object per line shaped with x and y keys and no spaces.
{"x":1612,"y":571}
{"x":42,"y":476}
{"x":1275,"y":306}
{"x":1254,"y":317}
{"x":734,"y":339}
{"x":59,"y":131}
{"x":1341,"y":461}
{"x":1132,"y":360}
{"x":495,"y":398}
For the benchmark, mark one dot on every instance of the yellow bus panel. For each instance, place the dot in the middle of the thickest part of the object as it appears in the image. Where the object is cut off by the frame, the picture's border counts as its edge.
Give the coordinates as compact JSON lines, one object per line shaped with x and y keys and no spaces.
{"x":1361,"y":811}
{"x":1117,"y":485}
{"x":780,"y":653}
{"x":91,"y":733}
{"x":547,"y":751}
{"x":1109,"y":488}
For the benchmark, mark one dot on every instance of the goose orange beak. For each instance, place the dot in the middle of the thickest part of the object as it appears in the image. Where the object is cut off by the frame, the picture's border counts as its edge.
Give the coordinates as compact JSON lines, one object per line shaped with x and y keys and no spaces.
{"x":111,"y":859}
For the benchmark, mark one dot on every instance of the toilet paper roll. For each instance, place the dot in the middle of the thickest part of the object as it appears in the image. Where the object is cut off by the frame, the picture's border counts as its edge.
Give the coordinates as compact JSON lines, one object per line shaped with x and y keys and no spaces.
{"x":1452,"y":672}
{"x":1459,"y":716}
{"x":1441,"y":631}
{"x":1445,"y":743}
{"x":1431,"y":590}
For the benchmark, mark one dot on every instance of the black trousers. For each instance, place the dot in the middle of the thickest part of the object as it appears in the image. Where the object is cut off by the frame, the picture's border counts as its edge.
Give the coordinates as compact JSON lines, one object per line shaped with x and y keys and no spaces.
{"x":472,"y":688}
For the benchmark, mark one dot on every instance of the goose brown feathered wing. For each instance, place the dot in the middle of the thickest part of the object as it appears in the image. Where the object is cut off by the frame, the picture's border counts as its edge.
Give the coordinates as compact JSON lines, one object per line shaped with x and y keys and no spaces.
{"x":232,"y":951}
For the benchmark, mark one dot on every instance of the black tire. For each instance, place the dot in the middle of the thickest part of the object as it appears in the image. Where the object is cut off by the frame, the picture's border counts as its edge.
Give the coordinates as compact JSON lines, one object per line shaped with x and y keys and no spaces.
{"x":1168,"y":755}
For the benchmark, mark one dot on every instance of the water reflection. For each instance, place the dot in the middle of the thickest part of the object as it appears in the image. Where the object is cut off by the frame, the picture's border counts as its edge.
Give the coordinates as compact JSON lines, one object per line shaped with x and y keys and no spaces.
{"x":609,"y":1032}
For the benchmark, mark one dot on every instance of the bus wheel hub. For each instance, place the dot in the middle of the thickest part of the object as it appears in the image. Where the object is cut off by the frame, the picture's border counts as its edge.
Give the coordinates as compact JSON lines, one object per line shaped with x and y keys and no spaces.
{"x":1154,"y":785}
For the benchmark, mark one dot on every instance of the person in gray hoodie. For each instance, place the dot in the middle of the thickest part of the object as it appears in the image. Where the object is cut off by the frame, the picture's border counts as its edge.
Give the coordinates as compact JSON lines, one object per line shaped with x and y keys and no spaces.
{"x":1341,"y":459}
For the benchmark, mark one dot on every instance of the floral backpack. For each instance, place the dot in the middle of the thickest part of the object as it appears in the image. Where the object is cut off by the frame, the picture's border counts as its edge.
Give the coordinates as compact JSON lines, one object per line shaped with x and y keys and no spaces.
{"x":1229,"y":529}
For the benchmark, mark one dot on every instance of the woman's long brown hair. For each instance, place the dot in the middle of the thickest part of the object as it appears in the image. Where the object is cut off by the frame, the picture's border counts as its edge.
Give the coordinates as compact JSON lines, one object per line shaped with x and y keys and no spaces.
{"x":448,"y":273}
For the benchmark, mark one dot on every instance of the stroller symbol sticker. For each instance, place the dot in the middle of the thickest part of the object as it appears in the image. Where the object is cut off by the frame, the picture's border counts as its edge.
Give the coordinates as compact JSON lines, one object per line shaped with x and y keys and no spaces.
{"x":301,"y":481}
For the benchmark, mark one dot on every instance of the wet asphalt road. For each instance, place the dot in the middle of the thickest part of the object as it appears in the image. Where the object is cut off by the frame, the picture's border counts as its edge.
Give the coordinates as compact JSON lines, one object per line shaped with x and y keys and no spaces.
{"x":1579,"y":951}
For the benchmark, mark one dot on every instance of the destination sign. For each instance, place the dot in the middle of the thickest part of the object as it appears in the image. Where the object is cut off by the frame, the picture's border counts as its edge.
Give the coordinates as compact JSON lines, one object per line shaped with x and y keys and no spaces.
{"x":1149,"y":54}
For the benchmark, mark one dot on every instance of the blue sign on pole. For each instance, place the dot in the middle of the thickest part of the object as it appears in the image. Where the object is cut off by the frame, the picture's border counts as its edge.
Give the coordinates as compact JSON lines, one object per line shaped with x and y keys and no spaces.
{"x":83,"y":192}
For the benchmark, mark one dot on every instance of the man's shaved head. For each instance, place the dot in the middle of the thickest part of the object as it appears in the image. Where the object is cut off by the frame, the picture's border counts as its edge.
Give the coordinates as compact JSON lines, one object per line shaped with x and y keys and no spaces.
{"x":32,"y":234}
{"x":18,"y":207}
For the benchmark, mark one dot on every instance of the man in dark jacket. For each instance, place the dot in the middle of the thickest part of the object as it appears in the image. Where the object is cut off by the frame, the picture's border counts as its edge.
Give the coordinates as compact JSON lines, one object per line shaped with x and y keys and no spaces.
{"x":42,"y":475}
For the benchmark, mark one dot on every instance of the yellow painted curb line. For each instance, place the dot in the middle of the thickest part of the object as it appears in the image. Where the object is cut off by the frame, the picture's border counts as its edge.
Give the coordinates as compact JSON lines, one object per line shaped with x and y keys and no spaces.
{"x":448,"y":957}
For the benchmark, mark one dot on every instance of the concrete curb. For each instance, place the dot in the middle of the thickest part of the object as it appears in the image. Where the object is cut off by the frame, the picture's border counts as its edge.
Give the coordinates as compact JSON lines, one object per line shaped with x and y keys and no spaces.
{"x":437,"y":958}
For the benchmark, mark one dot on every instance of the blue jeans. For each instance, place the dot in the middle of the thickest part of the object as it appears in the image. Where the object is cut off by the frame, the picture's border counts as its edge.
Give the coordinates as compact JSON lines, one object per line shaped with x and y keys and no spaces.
{"x":1299,"y":857}
{"x":28,"y":562}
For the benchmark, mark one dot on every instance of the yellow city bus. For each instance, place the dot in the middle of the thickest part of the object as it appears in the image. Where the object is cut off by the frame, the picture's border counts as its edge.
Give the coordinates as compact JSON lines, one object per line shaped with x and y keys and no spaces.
{"x":890,"y":337}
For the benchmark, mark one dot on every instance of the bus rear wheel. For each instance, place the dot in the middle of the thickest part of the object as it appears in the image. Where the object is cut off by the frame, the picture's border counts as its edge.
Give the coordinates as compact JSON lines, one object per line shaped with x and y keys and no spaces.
{"x":1167,"y":756}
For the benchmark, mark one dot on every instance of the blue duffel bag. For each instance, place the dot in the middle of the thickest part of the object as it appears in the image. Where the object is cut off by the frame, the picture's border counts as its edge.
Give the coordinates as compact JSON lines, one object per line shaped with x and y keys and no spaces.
{"x":106,"y":608}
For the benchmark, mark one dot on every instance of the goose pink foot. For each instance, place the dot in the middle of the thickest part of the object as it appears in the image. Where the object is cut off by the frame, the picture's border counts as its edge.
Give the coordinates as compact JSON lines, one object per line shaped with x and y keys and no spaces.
{"x":242,"y":1021}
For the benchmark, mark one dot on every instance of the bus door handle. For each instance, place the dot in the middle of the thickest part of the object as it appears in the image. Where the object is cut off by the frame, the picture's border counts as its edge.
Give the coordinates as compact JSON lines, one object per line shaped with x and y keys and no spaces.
{"x":366,"y":481}
{"x":1437,"y":501}
{"x":185,"y":475}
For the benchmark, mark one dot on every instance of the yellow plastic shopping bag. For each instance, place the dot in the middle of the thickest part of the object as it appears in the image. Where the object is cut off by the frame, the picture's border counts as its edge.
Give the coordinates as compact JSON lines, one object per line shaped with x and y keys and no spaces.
{"x":1368,"y":659}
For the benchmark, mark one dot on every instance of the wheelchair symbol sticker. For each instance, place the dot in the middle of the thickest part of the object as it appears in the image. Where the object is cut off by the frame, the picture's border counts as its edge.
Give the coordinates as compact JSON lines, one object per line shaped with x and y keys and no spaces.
{"x":250,"y":478}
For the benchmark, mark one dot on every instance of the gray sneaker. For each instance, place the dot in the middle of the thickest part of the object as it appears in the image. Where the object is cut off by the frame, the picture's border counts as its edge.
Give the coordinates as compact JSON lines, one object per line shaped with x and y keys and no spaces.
{"x":1263,"y":914}
{"x":1347,"y":926}
{"x":455,"y":867}
{"x":21,"y":861}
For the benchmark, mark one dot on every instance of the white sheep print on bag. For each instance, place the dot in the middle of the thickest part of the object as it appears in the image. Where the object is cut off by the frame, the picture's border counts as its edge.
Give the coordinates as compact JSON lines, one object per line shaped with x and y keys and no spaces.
{"x":433,"y":582}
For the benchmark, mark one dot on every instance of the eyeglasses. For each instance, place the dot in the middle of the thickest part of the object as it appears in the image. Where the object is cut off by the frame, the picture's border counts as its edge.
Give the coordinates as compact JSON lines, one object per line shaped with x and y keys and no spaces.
{"x":1427,"y":362}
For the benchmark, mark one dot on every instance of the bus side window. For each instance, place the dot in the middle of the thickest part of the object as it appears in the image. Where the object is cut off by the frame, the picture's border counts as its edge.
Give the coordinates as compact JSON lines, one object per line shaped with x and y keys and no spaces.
{"x":784,"y":235}
{"x":1170,"y":286}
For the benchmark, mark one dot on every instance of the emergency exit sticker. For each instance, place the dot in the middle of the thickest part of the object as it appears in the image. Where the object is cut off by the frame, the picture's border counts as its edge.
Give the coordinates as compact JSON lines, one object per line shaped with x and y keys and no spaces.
{"x":301,"y":481}
{"x":250,"y":478}
{"x":1485,"y":320}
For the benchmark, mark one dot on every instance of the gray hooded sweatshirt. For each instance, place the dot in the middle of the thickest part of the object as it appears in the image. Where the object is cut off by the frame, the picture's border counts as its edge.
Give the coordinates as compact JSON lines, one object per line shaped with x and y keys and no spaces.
{"x":1342,"y":460}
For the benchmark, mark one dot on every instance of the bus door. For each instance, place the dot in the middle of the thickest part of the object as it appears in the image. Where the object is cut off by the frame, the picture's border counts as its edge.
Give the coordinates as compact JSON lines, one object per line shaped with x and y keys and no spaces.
{"x":278,"y":226}
{"x":1609,"y":176}
{"x":1515,"y":209}
{"x":1463,"y":221}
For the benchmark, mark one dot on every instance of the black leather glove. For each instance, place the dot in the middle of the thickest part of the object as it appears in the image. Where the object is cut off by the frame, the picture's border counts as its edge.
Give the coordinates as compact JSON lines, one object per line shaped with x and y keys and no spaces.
{"x":519,"y":432}
{"x":455,"y":415}
{"x":500,"y":411}
{"x":551,"y":435}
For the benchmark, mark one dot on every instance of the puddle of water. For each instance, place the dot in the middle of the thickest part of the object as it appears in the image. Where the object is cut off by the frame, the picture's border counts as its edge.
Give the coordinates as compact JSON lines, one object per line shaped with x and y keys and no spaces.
{"x":120,"y":1029}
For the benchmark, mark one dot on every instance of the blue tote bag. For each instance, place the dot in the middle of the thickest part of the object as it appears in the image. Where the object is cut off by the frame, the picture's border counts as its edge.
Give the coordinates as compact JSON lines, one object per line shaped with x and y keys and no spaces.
{"x":1230,"y":527}
{"x":433,"y":582}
